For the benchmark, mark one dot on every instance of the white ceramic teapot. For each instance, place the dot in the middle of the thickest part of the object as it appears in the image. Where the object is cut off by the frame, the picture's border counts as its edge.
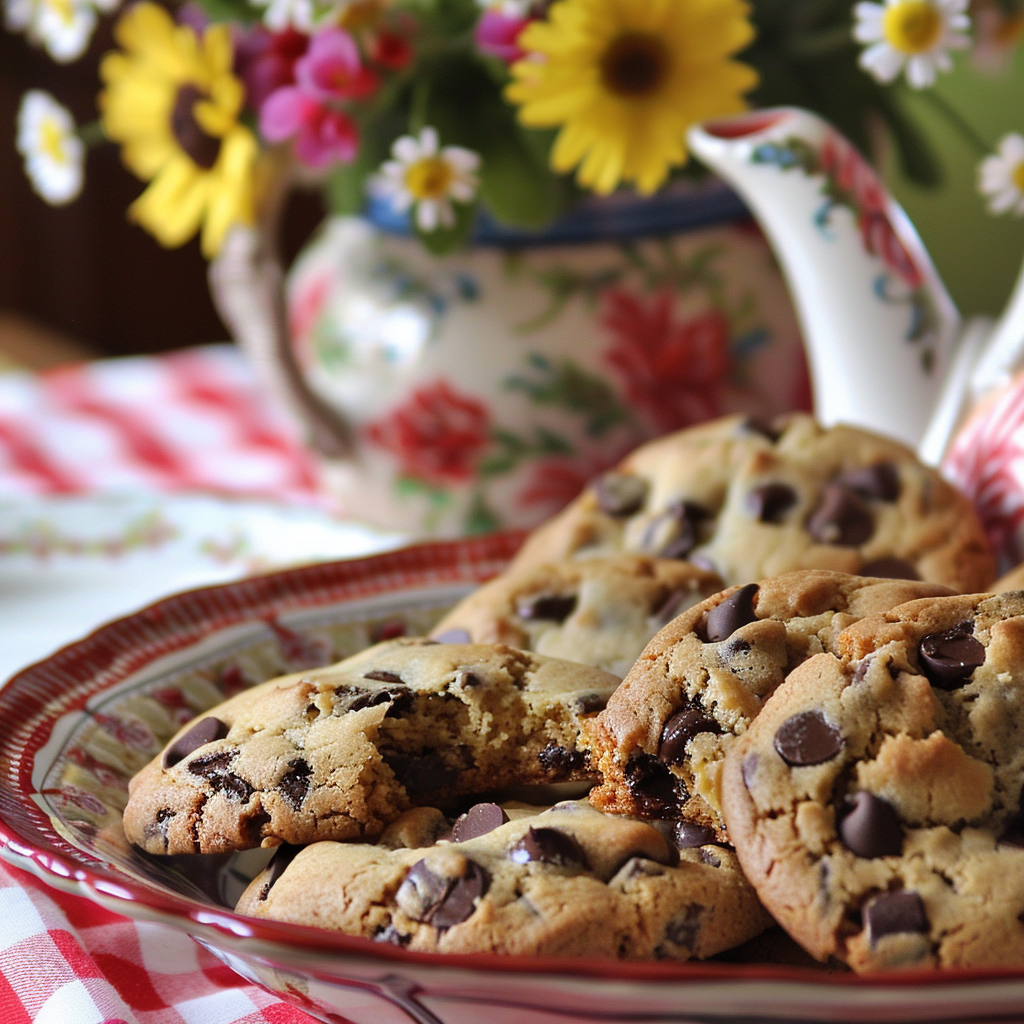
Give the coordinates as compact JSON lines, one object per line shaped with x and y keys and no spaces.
{"x":886,"y":345}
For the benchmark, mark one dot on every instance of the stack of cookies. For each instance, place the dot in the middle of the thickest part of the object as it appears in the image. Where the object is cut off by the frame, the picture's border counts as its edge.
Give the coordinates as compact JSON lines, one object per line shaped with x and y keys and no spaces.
{"x":748,"y":642}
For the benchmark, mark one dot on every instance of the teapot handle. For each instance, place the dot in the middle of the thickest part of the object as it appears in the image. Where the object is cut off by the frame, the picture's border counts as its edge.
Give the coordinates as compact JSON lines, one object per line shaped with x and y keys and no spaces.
{"x":247,"y":284}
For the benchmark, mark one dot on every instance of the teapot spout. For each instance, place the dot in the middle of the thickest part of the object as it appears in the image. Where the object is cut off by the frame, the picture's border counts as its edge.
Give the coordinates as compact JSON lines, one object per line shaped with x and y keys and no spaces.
{"x":878,"y":323}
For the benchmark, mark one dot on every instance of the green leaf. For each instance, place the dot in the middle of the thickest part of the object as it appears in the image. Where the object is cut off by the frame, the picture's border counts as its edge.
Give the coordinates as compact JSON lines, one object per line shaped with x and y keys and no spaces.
{"x":238,"y":11}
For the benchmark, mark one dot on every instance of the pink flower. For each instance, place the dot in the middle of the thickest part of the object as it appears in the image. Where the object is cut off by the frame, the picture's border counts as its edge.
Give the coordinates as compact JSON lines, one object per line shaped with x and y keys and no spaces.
{"x":391,"y":50}
{"x":266,"y":61}
{"x":332,"y":70}
{"x":496,"y":34}
{"x":322,"y":134}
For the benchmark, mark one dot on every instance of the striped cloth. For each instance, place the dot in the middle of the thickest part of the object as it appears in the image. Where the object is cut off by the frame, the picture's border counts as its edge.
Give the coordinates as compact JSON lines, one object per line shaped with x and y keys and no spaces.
{"x":193,"y":420}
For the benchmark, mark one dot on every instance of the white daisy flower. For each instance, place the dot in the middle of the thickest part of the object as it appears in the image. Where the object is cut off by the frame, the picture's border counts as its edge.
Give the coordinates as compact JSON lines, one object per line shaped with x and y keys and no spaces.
{"x":427,"y":178}
{"x":281,"y":14}
{"x":18,"y":14}
{"x":1001,"y":176}
{"x":53,"y":153}
{"x":62,"y":27}
{"x":912,"y":36}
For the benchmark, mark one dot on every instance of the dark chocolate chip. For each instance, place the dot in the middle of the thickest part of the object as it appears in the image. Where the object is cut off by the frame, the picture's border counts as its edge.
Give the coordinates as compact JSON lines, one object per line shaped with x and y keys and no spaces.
{"x":890,"y":568}
{"x":620,"y":494}
{"x":880,"y":481}
{"x":553,"y":607}
{"x":588,"y":703}
{"x":808,"y":738}
{"x":682,"y":930}
{"x":561,"y":763}
{"x":749,"y":769}
{"x":206,"y":730}
{"x":680,"y":728}
{"x":453,"y":636}
{"x":949,"y":658}
{"x":756,"y":425}
{"x":687,"y":835}
{"x":892,"y":913}
{"x":460,"y":900}
{"x":735,"y":611}
{"x":371,"y":698}
{"x":871,"y":827}
{"x":214,"y":768}
{"x":478,"y":821}
{"x":251,"y":827}
{"x":769,"y":503}
{"x":283,"y":856}
{"x":1013,"y":831}
{"x":707,"y":857}
{"x":421,"y":773}
{"x":294,"y":784}
{"x":549,"y":846}
{"x":382,"y":675}
{"x":842,"y":518}
{"x":676,"y":532}
{"x":656,"y":792}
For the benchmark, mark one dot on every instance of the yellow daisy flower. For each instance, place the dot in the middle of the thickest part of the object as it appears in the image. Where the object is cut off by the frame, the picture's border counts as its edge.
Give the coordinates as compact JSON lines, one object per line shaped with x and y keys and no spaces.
{"x":626,"y":78}
{"x":173,"y":104}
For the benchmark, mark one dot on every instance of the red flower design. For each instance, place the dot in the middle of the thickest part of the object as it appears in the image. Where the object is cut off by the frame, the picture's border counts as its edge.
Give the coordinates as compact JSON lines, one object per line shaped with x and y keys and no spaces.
{"x":673,"y":372}
{"x":437,"y":434}
{"x":844,"y":165}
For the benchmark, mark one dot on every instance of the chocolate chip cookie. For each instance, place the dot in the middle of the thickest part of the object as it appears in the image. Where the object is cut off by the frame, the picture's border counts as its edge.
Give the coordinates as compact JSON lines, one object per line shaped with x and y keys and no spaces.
{"x":599,"y":611}
{"x":660,"y":743}
{"x":749,"y":500}
{"x":337,"y":753}
{"x":875,"y":802}
{"x":563,"y":881}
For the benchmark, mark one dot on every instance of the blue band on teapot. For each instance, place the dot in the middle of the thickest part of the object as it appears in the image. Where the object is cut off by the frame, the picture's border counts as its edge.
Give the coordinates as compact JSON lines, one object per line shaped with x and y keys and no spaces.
{"x":683,"y":207}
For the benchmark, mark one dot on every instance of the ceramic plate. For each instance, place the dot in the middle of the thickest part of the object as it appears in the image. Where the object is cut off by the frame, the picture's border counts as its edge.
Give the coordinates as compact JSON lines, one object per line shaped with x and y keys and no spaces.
{"x":68,"y":564}
{"x":78,"y":725}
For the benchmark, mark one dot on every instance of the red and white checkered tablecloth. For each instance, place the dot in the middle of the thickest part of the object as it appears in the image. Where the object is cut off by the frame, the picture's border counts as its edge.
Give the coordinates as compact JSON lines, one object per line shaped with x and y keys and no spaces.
{"x":193,"y":420}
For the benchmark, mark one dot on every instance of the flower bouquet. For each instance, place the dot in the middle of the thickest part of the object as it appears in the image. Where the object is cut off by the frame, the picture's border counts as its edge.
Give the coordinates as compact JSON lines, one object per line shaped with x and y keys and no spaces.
{"x":443,"y":109}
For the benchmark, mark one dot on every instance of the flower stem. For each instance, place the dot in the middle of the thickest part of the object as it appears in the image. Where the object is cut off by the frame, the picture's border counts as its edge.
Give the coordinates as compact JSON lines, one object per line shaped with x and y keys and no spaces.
{"x":91,"y":133}
{"x":955,"y":120}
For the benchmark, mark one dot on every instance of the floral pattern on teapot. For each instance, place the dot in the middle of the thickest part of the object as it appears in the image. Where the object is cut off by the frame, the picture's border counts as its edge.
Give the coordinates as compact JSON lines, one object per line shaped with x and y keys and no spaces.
{"x":487,"y":388}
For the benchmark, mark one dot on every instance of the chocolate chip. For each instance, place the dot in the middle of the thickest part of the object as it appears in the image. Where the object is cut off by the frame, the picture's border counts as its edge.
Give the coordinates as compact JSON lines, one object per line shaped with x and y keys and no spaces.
{"x":949,"y":658}
{"x":682,"y":930}
{"x":588,"y":703}
{"x":892,"y":913}
{"x":392,"y":936}
{"x":553,"y":607}
{"x":707,"y":857}
{"x":871,"y":827}
{"x":421,"y":773}
{"x":881,"y":481}
{"x":842,"y":518}
{"x":749,"y":769}
{"x":549,"y":846}
{"x":560,"y":762}
{"x":770,"y":502}
{"x":890,"y":568}
{"x":478,"y":821}
{"x":294,"y":784}
{"x":453,"y":636}
{"x":461,"y":899}
{"x":808,"y":738}
{"x":680,"y":728}
{"x":442,"y":902}
{"x":656,"y":792}
{"x":361,"y":699}
{"x":687,"y":835}
{"x":861,"y":671}
{"x":283,"y":856}
{"x":214,"y":768}
{"x":206,"y":730}
{"x":1013,"y":831}
{"x":620,"y":494}
{"x":676,"y":532}
{"x":756,"y":425}
{"x":384,"y":676}
{"x":735,"y":611}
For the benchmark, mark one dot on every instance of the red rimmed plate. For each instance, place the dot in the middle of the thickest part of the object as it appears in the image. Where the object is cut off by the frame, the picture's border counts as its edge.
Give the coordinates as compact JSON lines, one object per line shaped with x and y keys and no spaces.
{"x":79,"y":724}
